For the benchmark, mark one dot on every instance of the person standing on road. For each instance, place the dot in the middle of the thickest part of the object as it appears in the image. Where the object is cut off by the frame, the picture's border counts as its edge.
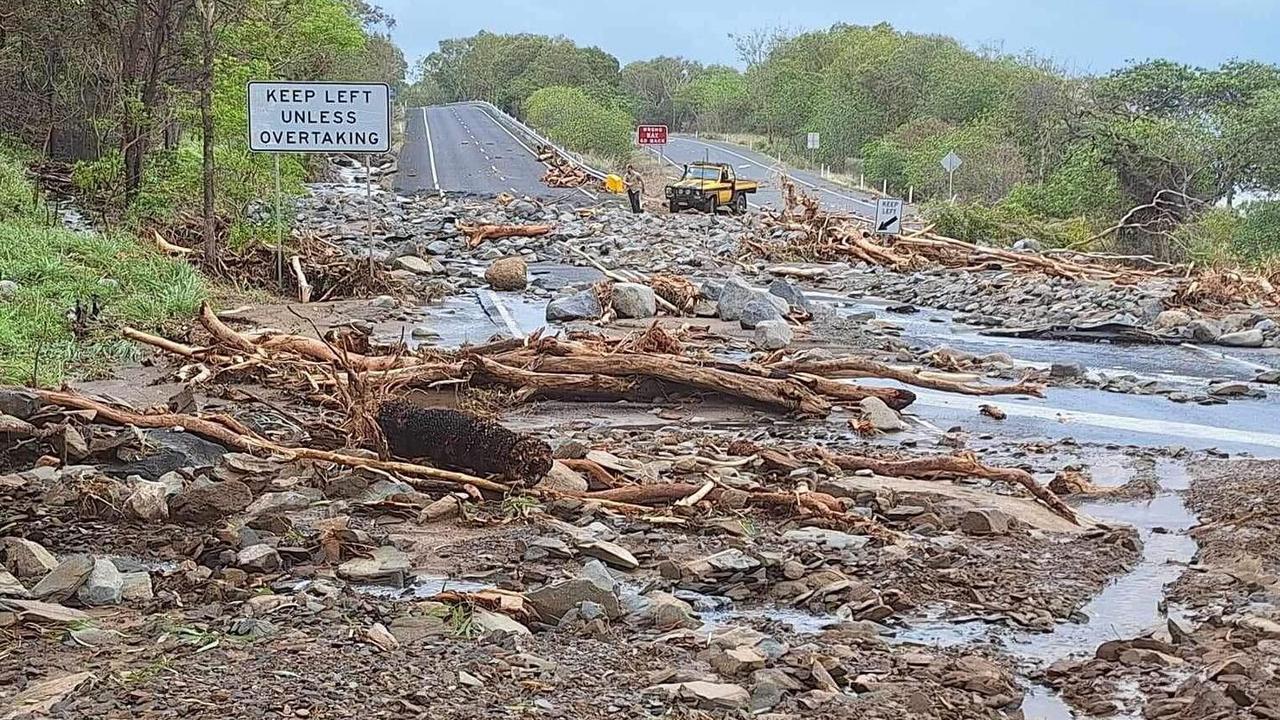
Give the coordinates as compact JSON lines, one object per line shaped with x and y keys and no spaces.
{"x":635,"y":187}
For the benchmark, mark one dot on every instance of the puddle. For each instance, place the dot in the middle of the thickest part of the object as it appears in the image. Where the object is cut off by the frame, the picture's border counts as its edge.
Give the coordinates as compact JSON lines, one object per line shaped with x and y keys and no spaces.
{"x":474,"y":319}
{"x":800,"y":622}
{"x":420,"y":587}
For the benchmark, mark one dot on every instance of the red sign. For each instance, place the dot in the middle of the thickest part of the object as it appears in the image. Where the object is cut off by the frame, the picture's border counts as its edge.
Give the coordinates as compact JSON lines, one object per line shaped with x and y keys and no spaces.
{"x":651,"y":135}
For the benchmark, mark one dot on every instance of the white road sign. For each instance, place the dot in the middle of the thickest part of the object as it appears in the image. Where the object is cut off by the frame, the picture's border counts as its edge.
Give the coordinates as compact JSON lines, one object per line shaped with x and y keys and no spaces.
{"x":319,"y":117}
{"x":888,"y":216}
{"x":812,"y":140}
{"x":951,"y":162}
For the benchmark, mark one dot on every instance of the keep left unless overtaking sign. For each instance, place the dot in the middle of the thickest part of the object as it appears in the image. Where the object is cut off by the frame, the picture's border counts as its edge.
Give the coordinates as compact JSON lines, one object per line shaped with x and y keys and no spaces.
{"x":319,"y":117}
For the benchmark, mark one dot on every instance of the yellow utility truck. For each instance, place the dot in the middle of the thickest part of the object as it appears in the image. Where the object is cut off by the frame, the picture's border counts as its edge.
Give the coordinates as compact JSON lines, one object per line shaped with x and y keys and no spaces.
{"x":706,"y":186}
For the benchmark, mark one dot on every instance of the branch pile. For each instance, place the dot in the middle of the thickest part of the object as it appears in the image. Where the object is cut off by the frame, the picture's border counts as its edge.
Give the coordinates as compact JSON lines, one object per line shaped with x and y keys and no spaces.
{"x":811,"y":233}
{"x":560,"y":172}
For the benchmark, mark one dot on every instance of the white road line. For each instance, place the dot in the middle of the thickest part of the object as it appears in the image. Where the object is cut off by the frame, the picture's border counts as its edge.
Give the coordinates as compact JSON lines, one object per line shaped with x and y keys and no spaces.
{"x":513,"y":135}
{"x":431,"y":153}
{"x":864,"y":203}
{"x":1169,"y":428}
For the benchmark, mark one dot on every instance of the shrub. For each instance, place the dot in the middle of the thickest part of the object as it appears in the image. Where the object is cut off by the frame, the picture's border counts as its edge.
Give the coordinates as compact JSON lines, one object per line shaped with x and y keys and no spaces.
{"x":570,"y":116}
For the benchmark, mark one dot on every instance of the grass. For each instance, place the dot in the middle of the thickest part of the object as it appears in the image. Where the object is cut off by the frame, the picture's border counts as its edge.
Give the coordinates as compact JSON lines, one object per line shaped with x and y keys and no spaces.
{"x":54,"y":269}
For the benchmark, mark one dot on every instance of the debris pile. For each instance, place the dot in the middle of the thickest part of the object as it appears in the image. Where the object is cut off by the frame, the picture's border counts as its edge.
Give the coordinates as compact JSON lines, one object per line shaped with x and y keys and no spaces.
{"x":561,"y":173}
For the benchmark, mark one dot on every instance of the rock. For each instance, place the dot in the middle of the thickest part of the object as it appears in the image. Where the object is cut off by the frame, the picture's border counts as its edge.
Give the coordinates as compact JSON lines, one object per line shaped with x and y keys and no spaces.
{"x":136,"y":587}
{"x":165,"y":451}
{"x":832,"y":539}
{"x":666,"y":611}
{"x":584,"y":305}
{"x":1066,"y":371}
{"x":1266,"y":628}
{"x":1270,"y":377}
{"x":985,"y":521}
{"x":1028,"y":245}
{"x":27,"y":559}
{"x":260,"y":558}
{"x":209,"y":504}
{"x":414,"y":628}
{"x":277,"y":502}
{"x":385,"y":302}
{"x":733,"y":298}
{"x":384,"y":564}
{"x":103,"y":586}
{"x":10,"y":587}
{"x":65,"y":579}
{"x":508,"y":273}
{"x":708,"y":695}
{"x":18,"y":403}
{"x":564,"y":479}
{"x":1245,"y":338}
{"x":487,"y":621}
{"x":1230,"y":388}
{"x":793,"y":295}
{"x":418,"y":266}
{"x":773,"y":334}
{"x":736,"y":661}
{"x":8,"y":289}
{"x":442,"y":509}
{"x":1204,"y":330}
{"x":757,"y":311}
{"x":553,"y":601}
{"x":438,"y":247}
{"x":1172,"y":320}
{"x":570,"y":449}
{"x":1145,"y":656}
{"x":633,"y":300}
{"x":724,"y":562}
{"x":881,"y":416}
{"x":148,"y":501}
{"x":610,"y":553}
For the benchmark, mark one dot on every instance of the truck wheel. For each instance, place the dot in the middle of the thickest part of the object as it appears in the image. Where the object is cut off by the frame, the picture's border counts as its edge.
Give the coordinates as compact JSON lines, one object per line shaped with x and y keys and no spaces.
{"x":711,"y":204}
{"x":674,"y":207}
{"x":739,"y":203}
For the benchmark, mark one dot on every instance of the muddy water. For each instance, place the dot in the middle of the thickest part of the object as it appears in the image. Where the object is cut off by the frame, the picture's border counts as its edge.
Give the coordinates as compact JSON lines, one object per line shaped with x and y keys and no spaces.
{"x":1131,"y":604}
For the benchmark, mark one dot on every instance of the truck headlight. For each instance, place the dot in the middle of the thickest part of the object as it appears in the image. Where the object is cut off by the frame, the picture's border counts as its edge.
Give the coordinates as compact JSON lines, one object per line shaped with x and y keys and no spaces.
{"x":670,"y":192}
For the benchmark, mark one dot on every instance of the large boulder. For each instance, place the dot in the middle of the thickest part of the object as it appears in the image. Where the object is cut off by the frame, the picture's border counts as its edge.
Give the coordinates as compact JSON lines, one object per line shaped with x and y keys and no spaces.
{"x":584,"y":305}
{"x":210,"y":503}
{"x":758,"y":310}
{"x":149,"y":501}
{"x":773,"y":334}
{"x":419,"y":266}
{"x":734,"y":296}
{"x":792,"y":294}
{"x":594,"y":585}
{"x":881,"y":416}
{"x":260,"y":558}
{"x":1172,"y":319}
{"x":65,"y":579}
{"x":27,"y":559}
{"x":1245,"y":338}
{"x":633,"y":300}
{"x":508,"y":273}
{"x":103,"y":586}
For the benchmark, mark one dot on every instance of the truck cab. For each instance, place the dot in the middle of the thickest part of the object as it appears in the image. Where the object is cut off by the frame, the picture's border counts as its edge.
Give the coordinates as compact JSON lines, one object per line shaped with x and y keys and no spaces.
{"x":706,"y":186}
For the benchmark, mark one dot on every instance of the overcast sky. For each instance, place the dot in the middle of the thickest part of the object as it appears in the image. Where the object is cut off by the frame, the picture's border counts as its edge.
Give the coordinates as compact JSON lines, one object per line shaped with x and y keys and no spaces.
{"x":1085,"y":35}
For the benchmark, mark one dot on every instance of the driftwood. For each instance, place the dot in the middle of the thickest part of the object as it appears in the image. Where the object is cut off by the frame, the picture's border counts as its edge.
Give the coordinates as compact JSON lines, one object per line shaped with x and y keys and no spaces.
{"x":815,"y":502}
{"x":477,"y":234}
{"x":935,"y":466}
{"x":785,"y":393}
{"x":864,"y":367}
{"x":229,"y":433}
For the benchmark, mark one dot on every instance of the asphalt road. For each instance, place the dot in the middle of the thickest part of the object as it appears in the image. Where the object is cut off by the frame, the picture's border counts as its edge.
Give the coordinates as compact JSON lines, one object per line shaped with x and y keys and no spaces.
{"x":752,"y":165}
{"x":461,"y":149}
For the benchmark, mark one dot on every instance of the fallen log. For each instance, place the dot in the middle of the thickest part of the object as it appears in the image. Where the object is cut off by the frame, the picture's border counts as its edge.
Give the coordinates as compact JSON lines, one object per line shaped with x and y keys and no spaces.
{"x":965,"y":465}
{"x":249,"y":442}
{"x":477,"y":234}
{"x":863,"y":367}
{"x":549,"y":383}
{"x":785,"y":393}
{"x":818,"y":503}
{"x":298,"y":345}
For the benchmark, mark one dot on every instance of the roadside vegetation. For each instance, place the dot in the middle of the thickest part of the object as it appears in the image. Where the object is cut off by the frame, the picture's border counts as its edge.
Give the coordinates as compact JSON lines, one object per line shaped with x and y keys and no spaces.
{"x":1153,"y":158}
{"x":135,"y":109}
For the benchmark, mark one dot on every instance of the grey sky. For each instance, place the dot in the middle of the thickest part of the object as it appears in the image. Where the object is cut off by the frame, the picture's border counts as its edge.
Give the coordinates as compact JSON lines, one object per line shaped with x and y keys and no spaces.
{"x":1086,"y":35}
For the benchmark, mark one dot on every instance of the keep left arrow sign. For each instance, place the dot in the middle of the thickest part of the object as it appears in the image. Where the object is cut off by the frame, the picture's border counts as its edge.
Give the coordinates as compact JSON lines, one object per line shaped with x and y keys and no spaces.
{"x":888,"y":223}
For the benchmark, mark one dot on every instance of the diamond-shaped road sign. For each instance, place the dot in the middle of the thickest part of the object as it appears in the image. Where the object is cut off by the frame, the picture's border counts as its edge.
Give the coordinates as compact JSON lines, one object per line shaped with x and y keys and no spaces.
{"x":951,"y":162}
{"x":888,"y":216}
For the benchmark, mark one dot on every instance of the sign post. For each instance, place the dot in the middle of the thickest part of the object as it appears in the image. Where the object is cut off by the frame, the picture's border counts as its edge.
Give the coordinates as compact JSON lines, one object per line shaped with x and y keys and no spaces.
{"x":323,"y":117}
{"x":950,"y":163}
{"x":648,"y":135}
{"x":888,"y":216}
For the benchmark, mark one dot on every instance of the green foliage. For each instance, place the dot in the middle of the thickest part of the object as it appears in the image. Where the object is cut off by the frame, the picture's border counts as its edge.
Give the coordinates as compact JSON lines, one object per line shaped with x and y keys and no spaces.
{"x":17,"y":195}
{"x":716,"y":97}
{"x":1257,"y":237}
{"x":1082,"y":185}
{"x":55,"y":268}
{"x":569,"y":116}
{"x":1003,"y":223}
